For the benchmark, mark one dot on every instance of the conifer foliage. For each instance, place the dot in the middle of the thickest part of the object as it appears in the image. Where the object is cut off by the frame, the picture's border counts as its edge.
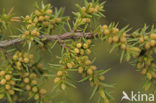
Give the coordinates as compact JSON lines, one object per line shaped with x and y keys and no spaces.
{"x":22,"y":75}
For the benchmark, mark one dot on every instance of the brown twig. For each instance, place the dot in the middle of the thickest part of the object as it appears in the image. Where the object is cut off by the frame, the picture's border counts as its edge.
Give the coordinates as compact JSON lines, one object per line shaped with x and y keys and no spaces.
{"x":68,"y":35}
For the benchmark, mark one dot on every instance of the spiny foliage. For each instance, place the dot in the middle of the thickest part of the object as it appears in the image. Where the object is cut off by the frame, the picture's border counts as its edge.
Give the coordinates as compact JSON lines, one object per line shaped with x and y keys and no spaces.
{"x":22,"y":74}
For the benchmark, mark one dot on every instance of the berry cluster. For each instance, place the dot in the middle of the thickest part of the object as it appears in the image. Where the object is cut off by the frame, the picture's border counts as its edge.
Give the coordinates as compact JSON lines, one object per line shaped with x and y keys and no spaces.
{"x":7,"y":83}
{"x":26,"y":62}
{"x":146,"y":61}
{"x":31,"y":86}
{"x":76,"y":59}
{"x":87,"y":13}
{"x":42,"y":21}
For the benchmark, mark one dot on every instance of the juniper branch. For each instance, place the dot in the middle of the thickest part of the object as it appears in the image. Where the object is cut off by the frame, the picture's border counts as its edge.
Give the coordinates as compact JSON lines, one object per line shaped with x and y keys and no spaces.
{"x":68,"y":35}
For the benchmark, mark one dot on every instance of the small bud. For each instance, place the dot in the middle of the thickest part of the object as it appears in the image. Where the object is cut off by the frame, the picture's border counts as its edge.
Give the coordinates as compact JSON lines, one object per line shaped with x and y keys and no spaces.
{"x":76,"y":50}
{"x":115,"y":39}
{"x":43,"y":91}
{"x":12,"y":92}
{"x":56,"y":80}
{"x":7,"y":77}
{"x":26,"y":60}
{"x":7,"y":87}
{"x":78,"y":45}
{"x":69,"y":65}
{"x":37,"y":13}
{"x":28,"y":87}
{"x":63,"y":86}
{"x":80,"y":70}
{"x":104,"y":27}
{"x":90,"y":71}
{"x":3,"y":81}
{"x":102,"y":77}
{"x":85,"y":46}
{"x":153,"y":36}
{"x":59,"y":73}
{"x":26,"y":80}
{"x":34,"y":89}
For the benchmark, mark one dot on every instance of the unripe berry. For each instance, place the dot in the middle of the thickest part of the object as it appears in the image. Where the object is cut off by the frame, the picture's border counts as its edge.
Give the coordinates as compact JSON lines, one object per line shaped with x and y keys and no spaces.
{"x":32,"y":75}
{"x":76,"y":50}
{"x":84,"y":20}
{"x":91,"y":10}
{"x":106,"y":32}
{"x":27,"y":17}
{"x":36,"y":97}
{"x":34,"y":82}
{"x":123,"y":46}
{"x":3,"y":81}
{"x":123,"y":39}
{"x":147,"y":46}
{"x":152,"y":43}
{"x":104,"y":27}
{"x":34,"y":89}
{"x":63,"y":86}
{"x":148,"y":62}
{"x":88,"y":20}
{"x":90,"y":71}
{"x":83,"y":9}
{"x":41,"y":18}
{"x":110,"y":39}
{"x":56,"y":80}
{"x":49,"y":11}
{"x":26,"y":60}
{"x":12,"y":82}
{"x":93,"y":67}
{"x":139,"y":66}
{"x":80,"y":70}
{"x":2,"y":73}
{"x":47,"y":17}
{"x":37,"y":12}
{"x":28,"y":87}
{"x":135,"y":49}
{"x":12,"y":92}
{"x":15,"y":57}
{"x":35,"y":20}
{"x":145,"y":37}
{"x":141,"y":40}
{"x":69,"y":65}
{"x":149,"y":76}
{"x":115,"y":30}
{"x":85,"y":46}
{"x":88,"y":51}
{"x":102,"y":77}
{"x":153,"y":36}
{"x":88,"y":62}
{"x":143,"y":72}
{"x":7,"y":77}
{"x":95,"y":10}
{"x":89,"y":41}
{"x":153,"y":75}
{"x":59,"y":73}
{"x":26,"y":80}
{"x":115,"y":39}
{"x":82,"y":52}
{"x":18,"y":64}
{"x":78,"y":45}
{"x":7,"y":87}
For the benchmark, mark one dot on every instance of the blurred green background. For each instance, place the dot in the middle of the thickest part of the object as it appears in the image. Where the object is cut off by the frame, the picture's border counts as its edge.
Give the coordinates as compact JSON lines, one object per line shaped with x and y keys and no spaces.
{"x":136,"y":13}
